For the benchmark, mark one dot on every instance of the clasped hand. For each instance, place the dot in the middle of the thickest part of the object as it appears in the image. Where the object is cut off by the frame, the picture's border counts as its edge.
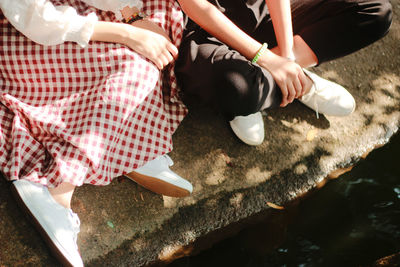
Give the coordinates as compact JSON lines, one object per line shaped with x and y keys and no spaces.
{"x":152,"y":42}
{"x":288,"y":75}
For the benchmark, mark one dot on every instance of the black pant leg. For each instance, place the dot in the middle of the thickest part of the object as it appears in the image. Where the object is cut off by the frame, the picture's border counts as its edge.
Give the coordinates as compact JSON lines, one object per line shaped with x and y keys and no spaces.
{"x":334,"y":28}
{"x":224,"y":78}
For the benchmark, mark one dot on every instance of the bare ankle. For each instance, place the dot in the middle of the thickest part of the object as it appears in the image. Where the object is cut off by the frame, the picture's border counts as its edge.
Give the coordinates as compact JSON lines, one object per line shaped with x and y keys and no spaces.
{"x":60,"y":200}
{"x":62,"y":194}
{"x":305,"y":56}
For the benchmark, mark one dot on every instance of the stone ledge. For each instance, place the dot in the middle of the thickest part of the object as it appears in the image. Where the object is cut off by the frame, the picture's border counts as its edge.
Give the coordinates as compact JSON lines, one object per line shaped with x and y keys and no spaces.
{"x":126,"y":225}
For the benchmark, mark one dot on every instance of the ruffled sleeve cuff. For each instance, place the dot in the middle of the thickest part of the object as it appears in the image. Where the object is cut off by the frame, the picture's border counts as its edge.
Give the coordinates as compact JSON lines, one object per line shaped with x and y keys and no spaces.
{"x":81,"y":29}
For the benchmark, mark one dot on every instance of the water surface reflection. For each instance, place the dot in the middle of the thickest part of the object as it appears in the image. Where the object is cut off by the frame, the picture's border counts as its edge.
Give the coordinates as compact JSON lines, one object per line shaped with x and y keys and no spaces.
{"x":351,"y":221}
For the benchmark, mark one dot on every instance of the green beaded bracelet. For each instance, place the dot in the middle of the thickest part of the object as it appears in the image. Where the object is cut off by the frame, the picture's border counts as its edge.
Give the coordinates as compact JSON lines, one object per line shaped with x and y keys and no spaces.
{"x":260,"y":52}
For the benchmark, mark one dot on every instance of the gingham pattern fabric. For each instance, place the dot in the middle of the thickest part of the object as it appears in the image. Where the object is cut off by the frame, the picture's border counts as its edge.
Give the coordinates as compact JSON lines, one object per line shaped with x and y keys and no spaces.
{"x":85,"y":115}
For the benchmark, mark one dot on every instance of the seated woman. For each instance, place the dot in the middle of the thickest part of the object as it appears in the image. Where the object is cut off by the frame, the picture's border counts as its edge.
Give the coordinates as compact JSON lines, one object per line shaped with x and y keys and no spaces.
{"x":83,"y":100}
{"x":243,"y":57}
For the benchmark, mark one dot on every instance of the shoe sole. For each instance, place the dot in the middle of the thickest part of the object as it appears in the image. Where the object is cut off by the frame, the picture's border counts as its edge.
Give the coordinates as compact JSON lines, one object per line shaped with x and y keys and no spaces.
{"x":53,"y":248}
{"x":158,"y":186}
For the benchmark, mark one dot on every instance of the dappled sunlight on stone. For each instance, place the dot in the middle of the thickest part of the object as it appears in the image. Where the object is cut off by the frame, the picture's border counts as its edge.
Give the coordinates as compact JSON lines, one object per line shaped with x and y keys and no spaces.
{"x":215,"y":178}
{"x":255,"y":175}
{"x":173,"y":202}
{"x":296,"y":135}
{"x":197,"y":187}
{"x":289,"y":124}
{"x":300,"y":169}
{"x":236,"y":200}
{"x":332,"y":76}
{"x":140,"y":243}
{"x":311,"y":134}
{"x":302,"y":132}
{"x":395,"y":30}
{"x":209,"y":169}
{"x":387,"y":84}
{"x":211,"y":202}
{"x":386,"y":99}
{"x":170,"y":202}
{"x":216,"y":175}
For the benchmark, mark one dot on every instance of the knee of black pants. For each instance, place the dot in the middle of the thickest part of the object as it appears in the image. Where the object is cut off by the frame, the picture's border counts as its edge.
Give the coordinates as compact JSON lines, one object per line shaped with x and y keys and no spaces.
{"x":383,"y":18}
{"x":377,"y":17}
{"x":243,"y":88}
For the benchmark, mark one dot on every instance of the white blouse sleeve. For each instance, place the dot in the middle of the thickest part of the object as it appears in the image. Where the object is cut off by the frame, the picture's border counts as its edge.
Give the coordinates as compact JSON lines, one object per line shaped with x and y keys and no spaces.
{"x":42,"y":22}
{"x":114,"y":6}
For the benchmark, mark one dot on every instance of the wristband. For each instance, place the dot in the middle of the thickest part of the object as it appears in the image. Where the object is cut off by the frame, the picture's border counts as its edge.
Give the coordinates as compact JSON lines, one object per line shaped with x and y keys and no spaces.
{"x":260,"y":52}
{"x":134,"y":17}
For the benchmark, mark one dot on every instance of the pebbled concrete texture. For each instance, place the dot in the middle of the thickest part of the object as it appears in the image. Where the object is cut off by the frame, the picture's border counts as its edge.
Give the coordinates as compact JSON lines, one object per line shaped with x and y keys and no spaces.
{"x":125,"y":225}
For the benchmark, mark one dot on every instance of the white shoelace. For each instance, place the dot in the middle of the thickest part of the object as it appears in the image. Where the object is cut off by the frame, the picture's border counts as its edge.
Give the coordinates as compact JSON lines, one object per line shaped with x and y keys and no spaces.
{"x":75,"y":225}
{"x":322,"y":94}
{"x":316,"y":107}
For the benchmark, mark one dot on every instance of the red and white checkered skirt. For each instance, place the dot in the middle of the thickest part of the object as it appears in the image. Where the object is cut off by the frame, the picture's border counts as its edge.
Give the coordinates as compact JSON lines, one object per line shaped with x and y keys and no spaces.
{"x":85,"y":115}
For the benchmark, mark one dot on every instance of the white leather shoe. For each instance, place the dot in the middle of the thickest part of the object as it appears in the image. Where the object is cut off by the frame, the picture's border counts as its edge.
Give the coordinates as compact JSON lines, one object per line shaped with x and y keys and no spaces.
{"x":327,"y":97}
{"x":58,"y":225}
{"x":249,"y":129}
{"x":156,"y":176}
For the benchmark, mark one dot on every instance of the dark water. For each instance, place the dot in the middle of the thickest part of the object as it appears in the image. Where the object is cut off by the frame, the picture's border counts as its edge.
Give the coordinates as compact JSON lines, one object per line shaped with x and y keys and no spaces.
{"x":352,"y":221}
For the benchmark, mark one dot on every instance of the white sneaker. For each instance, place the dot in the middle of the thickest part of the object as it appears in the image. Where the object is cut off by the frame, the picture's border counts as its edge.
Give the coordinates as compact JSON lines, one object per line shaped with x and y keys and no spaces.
{"x":58,"y":225}
{"x":249,"y":129}
{"x":327,"y":97}
{"x":156,"y":176}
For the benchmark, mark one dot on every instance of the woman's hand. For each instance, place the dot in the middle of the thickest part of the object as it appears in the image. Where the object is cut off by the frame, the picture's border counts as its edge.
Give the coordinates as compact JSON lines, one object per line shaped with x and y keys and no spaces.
{"x":288,"y":75}
{"x":143,"y":36}
{"x":151,"y":41}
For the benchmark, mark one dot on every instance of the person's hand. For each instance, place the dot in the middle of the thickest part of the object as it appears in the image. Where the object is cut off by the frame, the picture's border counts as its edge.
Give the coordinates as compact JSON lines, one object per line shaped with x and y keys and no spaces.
{"x":148,"y":39}
{"x":288,"y":75}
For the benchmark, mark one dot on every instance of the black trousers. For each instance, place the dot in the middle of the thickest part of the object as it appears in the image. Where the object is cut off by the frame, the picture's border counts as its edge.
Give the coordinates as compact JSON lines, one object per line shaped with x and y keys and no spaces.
{"x":225,"y":79}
